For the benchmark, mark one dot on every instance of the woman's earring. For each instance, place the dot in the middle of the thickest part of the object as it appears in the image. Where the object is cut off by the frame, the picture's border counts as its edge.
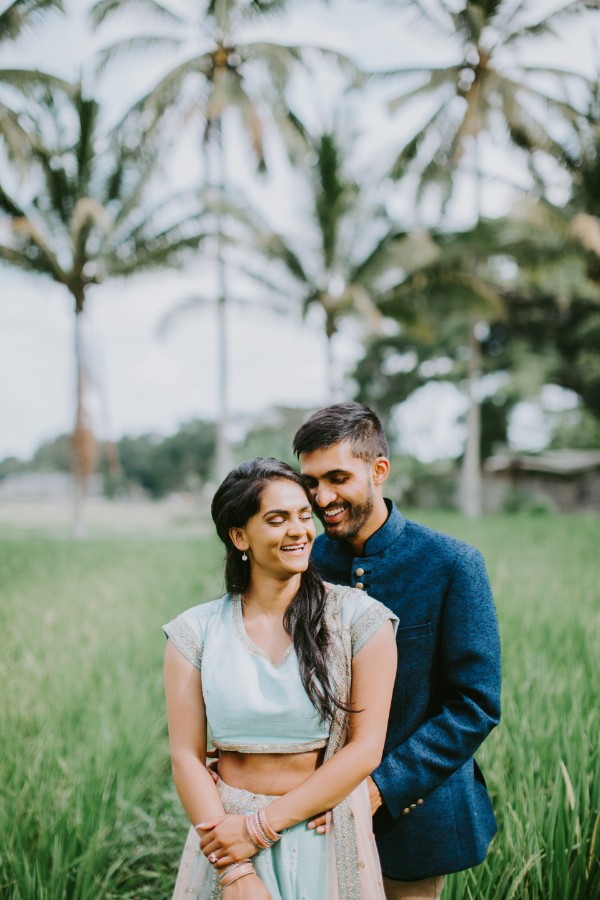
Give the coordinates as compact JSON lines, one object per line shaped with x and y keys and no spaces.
{"x":244,"y":557}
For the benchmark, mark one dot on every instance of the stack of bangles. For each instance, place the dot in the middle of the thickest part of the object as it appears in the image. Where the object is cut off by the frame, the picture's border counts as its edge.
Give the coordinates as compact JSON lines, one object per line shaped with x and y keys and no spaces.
{"x":261,"y":833}
{"x":235,"y":871}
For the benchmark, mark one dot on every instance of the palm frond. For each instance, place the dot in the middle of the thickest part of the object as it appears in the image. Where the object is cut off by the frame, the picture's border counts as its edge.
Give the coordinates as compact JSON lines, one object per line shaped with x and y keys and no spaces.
{"x":10,"y":206}
{"x":411,"y":149}
{"x":261,"y":278}
{"x":182,"y":310}
{"x":25,"y":228}
{"x":29,"y":80}
{"x":142,"y":44}
{"x":27,"y":261}
{"x":373,"y":262}
{"x":87,"y":213}
{"x":440,"y":78}
{"x":172,"y":252}
{"x":21,"y":15}
{"x":132,"y":195}
{"x":437,"y":16}
{"x":164,"y":93}
{"x":555,"y":104}
{"x":104,"y":9}
{"x":446,"y":72}
{"x":563,"y":74}
{"x":274,"y":247}
{"x":546,"y":25}
{"x":15,"y":137}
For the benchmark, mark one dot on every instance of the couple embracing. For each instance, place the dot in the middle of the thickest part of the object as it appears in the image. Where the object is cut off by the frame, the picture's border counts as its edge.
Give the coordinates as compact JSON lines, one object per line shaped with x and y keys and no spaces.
{"x":346,"y":682}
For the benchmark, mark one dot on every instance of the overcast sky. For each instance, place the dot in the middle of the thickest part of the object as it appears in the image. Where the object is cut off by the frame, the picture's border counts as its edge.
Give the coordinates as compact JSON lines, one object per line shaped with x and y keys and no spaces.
{"x":143,"y":383}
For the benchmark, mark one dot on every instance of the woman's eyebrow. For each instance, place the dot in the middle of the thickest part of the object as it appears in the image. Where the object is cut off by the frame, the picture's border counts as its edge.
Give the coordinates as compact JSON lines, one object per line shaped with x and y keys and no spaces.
{"x":285,"y":512}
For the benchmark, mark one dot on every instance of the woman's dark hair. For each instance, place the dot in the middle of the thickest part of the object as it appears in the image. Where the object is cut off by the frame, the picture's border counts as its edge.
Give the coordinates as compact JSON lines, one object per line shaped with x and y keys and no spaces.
{"x":237,"y":499}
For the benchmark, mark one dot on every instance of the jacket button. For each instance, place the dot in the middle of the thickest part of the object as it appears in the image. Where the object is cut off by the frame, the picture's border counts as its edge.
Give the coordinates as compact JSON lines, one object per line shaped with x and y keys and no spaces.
{"x":406,"y":811}
{"x":420,"y":802}
{"x":359,"y":572}
{"x":359,"y":585}
{"x":413,"y":805}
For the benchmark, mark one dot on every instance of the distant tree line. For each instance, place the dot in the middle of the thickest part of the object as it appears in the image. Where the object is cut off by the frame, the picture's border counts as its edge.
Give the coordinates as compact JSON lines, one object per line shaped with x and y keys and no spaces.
{"x":149,"y":463}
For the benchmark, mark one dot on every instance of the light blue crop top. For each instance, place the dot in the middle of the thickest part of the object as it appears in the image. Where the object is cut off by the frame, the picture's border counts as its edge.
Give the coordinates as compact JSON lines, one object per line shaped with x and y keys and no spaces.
{"x":253,"y":705}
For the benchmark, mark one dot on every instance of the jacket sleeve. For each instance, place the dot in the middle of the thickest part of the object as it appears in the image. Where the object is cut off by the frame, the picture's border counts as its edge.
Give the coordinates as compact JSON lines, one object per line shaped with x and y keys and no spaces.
{"x":469,"y":673}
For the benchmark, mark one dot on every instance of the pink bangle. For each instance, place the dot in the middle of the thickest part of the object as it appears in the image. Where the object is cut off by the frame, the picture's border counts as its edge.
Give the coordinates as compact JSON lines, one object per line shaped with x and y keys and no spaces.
{"x":237,"y":870}
{"x":271,"y":834}
{"x":256,"y":836}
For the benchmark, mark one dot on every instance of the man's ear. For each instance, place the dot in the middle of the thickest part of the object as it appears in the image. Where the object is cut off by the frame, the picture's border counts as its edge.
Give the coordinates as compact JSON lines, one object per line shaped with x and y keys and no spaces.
{"x":238,"y":539}
{"x":380,"y":469}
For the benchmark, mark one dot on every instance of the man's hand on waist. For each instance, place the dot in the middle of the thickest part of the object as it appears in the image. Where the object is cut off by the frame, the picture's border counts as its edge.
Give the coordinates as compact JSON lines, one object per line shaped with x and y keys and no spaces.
{"x":374,"y":796}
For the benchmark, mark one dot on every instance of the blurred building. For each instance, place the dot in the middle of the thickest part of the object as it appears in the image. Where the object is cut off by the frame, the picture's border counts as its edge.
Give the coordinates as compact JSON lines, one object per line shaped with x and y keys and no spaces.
{"x":561,"y":480}
{"x":45,"y":486}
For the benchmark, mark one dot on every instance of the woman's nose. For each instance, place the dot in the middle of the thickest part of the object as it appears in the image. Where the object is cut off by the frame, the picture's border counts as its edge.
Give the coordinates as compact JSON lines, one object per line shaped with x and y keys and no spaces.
{"x":296,"y":525}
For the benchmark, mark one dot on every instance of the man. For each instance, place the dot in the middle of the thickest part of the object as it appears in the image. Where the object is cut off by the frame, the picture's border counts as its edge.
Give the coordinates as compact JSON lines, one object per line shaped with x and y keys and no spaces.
{"x":432,"y":813}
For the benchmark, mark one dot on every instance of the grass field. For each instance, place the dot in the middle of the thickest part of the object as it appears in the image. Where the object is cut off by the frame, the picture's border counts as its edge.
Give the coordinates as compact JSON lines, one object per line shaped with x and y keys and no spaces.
{"x":87,"y":809}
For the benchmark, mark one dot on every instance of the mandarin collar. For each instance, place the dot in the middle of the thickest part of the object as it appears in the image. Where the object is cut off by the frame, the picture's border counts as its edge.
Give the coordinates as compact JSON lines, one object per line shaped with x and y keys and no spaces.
{"x":389,"y":532}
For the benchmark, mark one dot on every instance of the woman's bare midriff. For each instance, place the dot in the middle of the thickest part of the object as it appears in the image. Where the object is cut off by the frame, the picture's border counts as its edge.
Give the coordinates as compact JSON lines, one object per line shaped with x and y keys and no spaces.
{"x":268,"y":773}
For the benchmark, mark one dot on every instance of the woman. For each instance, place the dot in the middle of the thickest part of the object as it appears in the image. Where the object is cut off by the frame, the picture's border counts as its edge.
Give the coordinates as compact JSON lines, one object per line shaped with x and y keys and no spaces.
{"x":294,"y":679}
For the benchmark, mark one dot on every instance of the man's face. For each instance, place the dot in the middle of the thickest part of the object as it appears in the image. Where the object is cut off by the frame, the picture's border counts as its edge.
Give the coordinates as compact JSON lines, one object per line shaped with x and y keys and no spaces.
{"x":341,"y":486}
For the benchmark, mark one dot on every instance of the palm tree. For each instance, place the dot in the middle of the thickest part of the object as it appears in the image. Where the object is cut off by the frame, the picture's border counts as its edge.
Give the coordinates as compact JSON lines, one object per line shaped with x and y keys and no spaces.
{"x":487,"y":90}
{"x":219,"y":73}
{"x":17,"y":18}
{"x":87,"y":215}
{"x":454,"y":278}
{"x":347,"y":257}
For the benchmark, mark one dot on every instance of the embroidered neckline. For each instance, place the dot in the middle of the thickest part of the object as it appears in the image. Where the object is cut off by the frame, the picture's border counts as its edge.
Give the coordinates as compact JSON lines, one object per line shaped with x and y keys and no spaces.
{"x":246,"y":640}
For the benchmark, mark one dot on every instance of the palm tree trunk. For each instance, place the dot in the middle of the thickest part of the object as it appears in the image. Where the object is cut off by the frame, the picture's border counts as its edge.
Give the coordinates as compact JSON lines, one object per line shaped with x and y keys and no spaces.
{"x":471,"y":499}
{"x":330,"y":363}
{"x":471,"y":475}
{"x":223,"y":462}
{"x":78,"y":436}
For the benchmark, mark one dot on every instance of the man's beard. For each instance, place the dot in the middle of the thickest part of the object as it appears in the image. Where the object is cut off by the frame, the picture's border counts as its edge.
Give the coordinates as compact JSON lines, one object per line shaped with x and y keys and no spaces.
{"x":357,"y":516}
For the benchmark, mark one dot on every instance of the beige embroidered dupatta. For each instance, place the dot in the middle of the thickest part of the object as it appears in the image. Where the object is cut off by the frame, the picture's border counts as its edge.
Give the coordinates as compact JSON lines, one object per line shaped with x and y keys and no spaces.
{"x":354,"y":872}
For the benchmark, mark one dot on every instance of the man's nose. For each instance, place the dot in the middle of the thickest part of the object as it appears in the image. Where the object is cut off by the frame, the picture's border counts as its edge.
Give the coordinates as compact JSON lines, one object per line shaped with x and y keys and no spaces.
{"x":324,"y":495}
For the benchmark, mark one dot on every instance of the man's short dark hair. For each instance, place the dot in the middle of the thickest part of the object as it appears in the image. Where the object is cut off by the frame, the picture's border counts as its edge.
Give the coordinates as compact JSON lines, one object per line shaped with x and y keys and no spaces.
{"x":352,"y":422}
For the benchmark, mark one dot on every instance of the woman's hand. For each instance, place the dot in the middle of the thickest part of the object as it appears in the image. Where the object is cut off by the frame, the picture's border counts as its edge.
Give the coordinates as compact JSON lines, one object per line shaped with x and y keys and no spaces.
{"x":250,"y":887}
{"x":226,"y":840}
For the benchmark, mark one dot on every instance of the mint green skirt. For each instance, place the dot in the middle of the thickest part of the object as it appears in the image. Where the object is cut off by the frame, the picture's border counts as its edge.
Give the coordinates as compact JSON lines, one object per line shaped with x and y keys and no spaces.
{"x":295,"y":868}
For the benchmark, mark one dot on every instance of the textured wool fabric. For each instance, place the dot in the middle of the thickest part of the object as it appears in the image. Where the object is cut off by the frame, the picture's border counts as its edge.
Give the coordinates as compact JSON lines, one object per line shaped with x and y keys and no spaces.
{"x":437,"y":817}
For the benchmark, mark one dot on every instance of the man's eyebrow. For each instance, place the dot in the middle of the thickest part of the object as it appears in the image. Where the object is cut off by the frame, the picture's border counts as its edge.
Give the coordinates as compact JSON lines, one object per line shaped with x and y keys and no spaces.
{"x":331,"y":474}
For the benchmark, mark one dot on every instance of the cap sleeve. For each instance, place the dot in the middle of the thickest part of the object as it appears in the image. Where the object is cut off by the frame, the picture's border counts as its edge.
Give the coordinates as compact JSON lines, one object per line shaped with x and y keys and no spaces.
{"x":367,"y":619}
{"x":187,"y":631}
{"x":361,"y":615}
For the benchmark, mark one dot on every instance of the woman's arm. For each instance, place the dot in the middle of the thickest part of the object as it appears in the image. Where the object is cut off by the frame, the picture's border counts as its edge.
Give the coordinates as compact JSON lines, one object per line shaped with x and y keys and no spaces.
{"x":373,"y":672}
{"x":186,"y":719}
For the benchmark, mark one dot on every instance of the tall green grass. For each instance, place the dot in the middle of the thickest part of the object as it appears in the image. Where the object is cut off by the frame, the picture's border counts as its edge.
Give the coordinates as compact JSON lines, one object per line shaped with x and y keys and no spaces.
{"x":87,"y":808}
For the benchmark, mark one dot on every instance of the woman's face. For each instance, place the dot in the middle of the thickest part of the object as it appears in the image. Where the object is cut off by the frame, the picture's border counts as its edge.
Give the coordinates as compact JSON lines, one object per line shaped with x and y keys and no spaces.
{"x":278,"y":539}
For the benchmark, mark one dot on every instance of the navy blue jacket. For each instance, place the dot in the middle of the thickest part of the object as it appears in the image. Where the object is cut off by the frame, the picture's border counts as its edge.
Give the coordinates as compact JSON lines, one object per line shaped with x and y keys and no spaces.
{"x":437,"y":817}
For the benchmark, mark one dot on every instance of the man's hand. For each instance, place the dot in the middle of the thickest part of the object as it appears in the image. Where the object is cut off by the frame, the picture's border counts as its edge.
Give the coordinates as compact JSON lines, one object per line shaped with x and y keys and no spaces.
{"x":374,"y":796}
{"x":321,"y":823}
{"x":212,"y":767}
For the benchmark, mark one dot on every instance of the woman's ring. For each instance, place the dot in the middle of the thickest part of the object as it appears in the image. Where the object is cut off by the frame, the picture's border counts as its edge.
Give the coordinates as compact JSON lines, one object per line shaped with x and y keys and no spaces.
{"x":212,"y":858}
